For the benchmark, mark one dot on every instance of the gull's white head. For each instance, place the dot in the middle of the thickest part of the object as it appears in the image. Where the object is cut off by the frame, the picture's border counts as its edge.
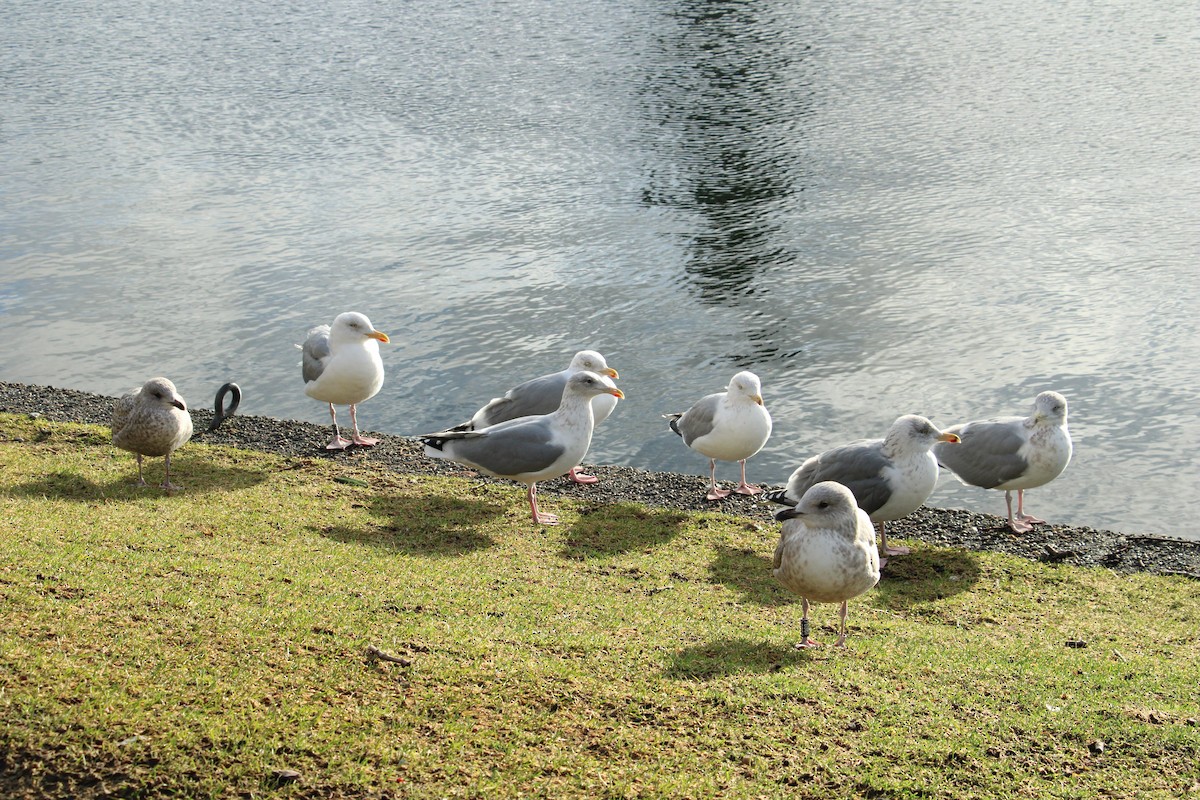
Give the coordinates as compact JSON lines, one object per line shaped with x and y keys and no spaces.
{"x":746,"y":384}
{"x":1051,"y":407}
{"x":352,"y":327}
{"x":590,"y":384}
{"x":592,"y":361}
{"x":914,"y":433}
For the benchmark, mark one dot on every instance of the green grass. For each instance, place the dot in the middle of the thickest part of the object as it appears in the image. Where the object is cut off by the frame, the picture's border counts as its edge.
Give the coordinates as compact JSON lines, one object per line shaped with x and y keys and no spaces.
{"x":191,"y":645}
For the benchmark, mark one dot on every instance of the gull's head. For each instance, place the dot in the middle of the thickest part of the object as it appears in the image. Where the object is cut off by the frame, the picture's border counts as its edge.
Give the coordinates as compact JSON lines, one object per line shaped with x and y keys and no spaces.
{"x":592,"y":361}
{"x":160,"y":391}
{"x":590,"y":384}
{"x":912,"y":432}
{"x":746,"y":384}
{"x":351,"y":326}
{"x":827,"y":504}
{"x":1051,"y":407}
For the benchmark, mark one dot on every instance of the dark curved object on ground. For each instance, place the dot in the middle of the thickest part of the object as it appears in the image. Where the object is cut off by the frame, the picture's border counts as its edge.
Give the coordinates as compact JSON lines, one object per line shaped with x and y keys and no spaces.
{"x":220,"y":413}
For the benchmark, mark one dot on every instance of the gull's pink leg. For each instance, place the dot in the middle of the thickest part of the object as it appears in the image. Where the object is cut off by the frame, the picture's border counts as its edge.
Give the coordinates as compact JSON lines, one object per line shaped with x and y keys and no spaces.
{"x":337,"y":442}
{"x":1017,"y":524}
{"x":841,"y":642}
{"x":166,"y":484}
{"x":364,"y":441}
{"x":715,"y":492}
{"x":743,"y":487}
{"x":538,"y":517}
{"x":141,"y":481}
{"x":883,"y":543}
{"x":579,"y":477}
{"x":806,"y":641}
{"x":1021,"y":515}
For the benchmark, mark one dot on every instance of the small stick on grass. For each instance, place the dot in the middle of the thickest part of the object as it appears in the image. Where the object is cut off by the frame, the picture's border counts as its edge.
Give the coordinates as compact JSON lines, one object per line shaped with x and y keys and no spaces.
{"x":375,"y":654}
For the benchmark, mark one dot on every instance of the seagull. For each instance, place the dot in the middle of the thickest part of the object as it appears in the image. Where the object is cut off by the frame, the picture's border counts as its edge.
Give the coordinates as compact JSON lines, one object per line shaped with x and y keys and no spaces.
{"x":1013,"y":453}
{"x":341,"y":365}
{"x":826,"y":552}
{"x":730,"y":426}
{"x":152,"y":421}
{"x":543,"y":395}
{"x":531,"y":448}
{"x":890,"y":477}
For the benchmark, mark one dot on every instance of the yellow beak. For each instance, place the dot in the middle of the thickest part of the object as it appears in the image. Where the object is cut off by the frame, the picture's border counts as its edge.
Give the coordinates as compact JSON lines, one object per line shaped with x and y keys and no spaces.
{"x":380,"y":335}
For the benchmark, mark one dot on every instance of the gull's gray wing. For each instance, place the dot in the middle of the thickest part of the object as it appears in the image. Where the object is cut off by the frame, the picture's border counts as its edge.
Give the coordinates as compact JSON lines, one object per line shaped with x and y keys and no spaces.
{"x":697,"y":421}
{"x":988,"y":453}
{"x":533,"y":397}
{"x":315,"y":350}
{"x":858,"y":466}
{"x":505,"y":449}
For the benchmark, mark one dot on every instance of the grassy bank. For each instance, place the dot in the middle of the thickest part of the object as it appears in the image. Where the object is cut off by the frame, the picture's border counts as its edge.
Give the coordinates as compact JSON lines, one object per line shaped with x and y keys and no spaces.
{"x":197,"y":644}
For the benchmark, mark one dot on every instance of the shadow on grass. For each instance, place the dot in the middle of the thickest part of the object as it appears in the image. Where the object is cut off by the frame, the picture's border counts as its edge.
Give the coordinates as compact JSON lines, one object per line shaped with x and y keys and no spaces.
{"x":606,"y":530}
{"x":423,"y":525}
{"x":731,"y":656}
{"x":194,"y":476}
{"x":748,"y":572}
{"x":926,"y":575}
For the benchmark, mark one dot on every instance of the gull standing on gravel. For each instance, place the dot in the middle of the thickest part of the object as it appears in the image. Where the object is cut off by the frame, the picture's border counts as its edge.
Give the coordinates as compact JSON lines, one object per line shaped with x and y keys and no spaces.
{"x":531,"y":448}
{"x":341,"y":365}
{"x":890,"y":477}
{"x":826,"y":552}
{"x":152,"y":421}
{"x":543,"y":395}
{"x":728,"y":426}
{"x":1013,"y":453}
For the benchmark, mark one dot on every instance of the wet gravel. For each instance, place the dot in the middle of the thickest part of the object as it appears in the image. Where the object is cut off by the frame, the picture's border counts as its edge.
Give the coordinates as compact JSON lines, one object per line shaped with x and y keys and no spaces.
{"x":1051,"y":543}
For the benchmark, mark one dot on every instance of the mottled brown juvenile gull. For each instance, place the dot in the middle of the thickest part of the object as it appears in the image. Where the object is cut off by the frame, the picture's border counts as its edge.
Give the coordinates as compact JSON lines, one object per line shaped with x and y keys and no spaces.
{"x":826,"y":552}
{"x":890,"y":477}
{"x":531,"y":448}
{"x":152,"y":421}
{"x":728,"y":426}
{"x":1013,"y":453}
{"x":543,"y":395}
{"x":342,"y":366}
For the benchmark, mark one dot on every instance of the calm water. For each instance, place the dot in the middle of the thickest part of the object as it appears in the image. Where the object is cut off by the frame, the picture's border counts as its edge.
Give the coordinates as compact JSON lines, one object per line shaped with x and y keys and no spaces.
{"x":880,"y":208}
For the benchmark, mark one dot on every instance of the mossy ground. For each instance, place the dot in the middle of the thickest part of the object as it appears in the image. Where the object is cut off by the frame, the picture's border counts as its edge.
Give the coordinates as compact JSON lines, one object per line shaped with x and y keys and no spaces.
{"x":194,"y":644}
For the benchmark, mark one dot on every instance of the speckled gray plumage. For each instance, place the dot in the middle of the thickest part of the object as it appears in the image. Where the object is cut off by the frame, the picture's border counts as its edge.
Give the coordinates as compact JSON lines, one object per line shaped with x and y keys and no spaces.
{"x":152,"y":421}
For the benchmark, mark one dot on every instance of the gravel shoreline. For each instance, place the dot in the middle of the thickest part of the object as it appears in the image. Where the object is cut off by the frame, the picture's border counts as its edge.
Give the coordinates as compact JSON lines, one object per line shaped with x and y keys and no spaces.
{"x":1053,"y":543}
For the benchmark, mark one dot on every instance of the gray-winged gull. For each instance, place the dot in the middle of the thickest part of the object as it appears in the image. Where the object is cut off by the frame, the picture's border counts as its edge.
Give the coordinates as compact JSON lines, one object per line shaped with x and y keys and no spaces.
{"x":728,"y":426}
{"x":341,"y":366}
{"x":826,"y":552}
{"x":543,"y":395}
{"x":152,"y":421}
{"x":1013,"y":453}
{"x":532,"y":448}
{"x":890,"y":477}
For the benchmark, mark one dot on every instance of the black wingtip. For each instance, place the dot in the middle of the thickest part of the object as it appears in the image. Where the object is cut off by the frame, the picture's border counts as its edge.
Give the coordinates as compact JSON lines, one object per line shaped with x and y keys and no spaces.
{"x":778,"y":496}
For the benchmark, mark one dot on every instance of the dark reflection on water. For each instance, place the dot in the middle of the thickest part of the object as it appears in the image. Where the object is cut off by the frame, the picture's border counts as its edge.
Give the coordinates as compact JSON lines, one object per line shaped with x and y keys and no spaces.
{"x":732,"y":99}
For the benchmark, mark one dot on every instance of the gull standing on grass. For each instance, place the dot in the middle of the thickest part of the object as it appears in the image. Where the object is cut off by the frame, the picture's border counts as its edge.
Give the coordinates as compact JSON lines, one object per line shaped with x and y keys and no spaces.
{"x":152,"y":421}
{"x":341,"y":365}
{"x":532,"y":448}
{"x":890,"y":477}
{"x":728,"y":426}
{"x":543,"y":395}
{"x":1013,"y":453}
{"x":826,"y":552}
